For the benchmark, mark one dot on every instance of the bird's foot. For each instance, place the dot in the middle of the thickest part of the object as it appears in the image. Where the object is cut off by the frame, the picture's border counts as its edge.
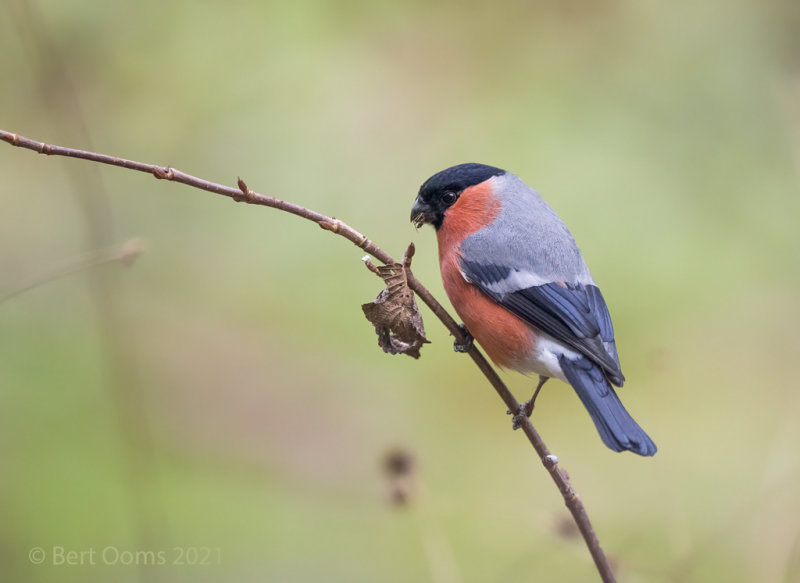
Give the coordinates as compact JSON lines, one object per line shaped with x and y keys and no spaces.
{"x":525,"y":409}
{"x":521,"y":414}
{"x":465,"y":346}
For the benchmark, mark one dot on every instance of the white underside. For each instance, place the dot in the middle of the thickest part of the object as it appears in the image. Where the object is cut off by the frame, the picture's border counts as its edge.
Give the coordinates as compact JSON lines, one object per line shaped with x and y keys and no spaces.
{"x":543,"y":360}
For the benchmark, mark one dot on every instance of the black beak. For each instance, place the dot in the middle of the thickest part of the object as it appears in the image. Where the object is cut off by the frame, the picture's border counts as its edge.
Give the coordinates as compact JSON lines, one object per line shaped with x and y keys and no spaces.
{"x":421,"y":213}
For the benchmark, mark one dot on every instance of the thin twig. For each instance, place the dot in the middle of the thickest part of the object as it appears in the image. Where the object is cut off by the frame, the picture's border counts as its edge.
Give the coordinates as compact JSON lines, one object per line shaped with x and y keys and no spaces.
{"x":244,"y":194}
{"x":125,"y":254}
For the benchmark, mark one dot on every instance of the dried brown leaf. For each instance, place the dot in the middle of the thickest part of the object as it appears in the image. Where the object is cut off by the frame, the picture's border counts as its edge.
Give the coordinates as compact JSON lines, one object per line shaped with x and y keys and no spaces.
{"x":395,"y":314}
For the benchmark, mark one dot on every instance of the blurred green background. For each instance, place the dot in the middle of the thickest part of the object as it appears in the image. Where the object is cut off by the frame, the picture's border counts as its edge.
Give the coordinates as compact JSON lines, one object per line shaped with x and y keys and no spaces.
{"x":223,"y":401}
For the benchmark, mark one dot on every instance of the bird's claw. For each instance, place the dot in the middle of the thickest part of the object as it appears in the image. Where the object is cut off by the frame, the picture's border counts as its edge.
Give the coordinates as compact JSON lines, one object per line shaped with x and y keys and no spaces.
{"x":466,"y":346}
{"x":521,"y":415}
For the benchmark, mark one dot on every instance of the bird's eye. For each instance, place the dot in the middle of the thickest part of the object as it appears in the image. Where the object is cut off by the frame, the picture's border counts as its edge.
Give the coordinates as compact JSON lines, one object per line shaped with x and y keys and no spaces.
{"x":449,"y":197}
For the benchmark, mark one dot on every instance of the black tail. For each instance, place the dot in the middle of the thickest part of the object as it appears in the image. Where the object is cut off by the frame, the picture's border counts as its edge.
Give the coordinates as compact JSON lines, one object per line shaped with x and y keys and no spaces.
{"x":616,"y":427}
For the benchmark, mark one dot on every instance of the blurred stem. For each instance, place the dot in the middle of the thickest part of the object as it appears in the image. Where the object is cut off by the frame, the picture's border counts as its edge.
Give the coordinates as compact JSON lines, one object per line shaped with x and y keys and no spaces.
{"x":244,"y":194}
{"x":125,"y":254}
{"x":437,"y":547}
{"x":61,"y":102}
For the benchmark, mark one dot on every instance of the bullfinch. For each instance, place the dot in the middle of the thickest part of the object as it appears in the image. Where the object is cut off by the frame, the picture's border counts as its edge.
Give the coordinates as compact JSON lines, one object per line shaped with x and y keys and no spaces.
{"x":519,"y":283}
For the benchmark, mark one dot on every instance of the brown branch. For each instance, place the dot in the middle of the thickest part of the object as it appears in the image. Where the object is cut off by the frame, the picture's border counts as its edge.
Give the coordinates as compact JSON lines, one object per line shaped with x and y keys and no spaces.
{"x":244,"y":194}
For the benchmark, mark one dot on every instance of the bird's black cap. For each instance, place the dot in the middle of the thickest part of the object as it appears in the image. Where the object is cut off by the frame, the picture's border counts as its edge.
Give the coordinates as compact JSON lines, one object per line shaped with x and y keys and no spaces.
{"x":458,"y":178}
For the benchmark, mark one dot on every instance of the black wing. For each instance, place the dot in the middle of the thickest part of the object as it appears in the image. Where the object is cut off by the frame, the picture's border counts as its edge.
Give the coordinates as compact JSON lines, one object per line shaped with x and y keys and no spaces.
{"x":574,"y":314}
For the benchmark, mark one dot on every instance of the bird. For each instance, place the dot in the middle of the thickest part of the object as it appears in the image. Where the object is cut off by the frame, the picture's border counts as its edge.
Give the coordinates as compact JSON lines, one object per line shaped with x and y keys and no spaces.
{"x":518,"y":281}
